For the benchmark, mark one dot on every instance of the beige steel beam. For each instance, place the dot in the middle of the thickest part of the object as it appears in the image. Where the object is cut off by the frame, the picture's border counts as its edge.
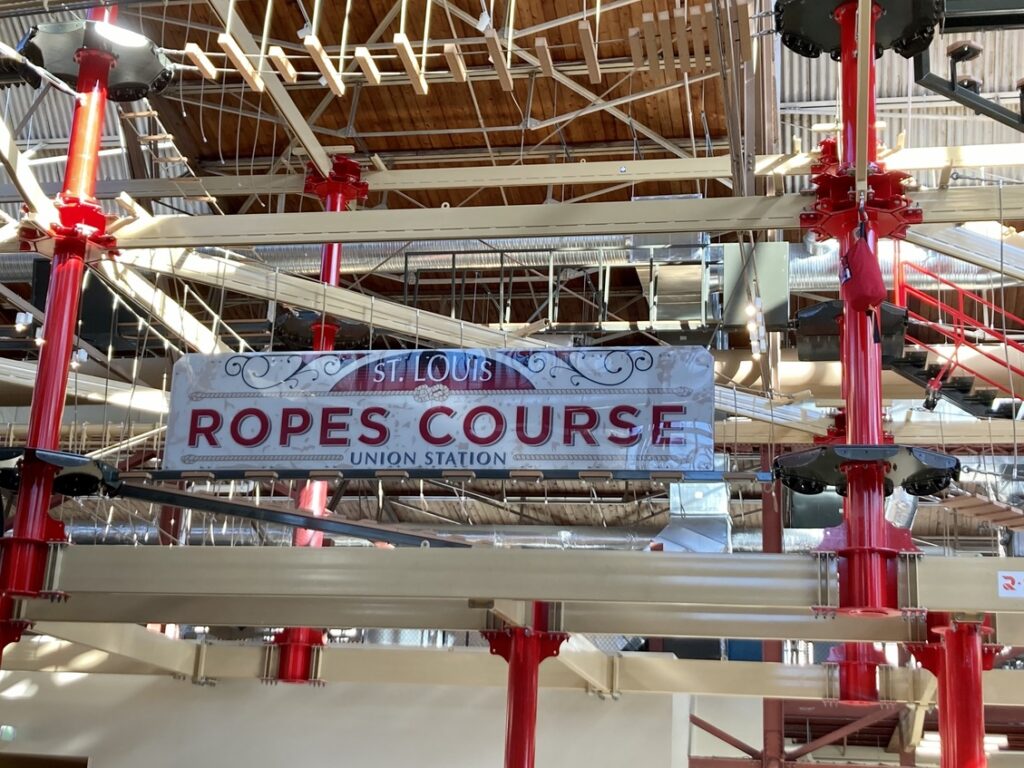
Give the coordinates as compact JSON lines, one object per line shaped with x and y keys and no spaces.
{"x":178,"y":320}
{"x":603,"y":592}
{"x":24,"y":179}
{"x":707,"y":580}
{"x":543,"y":174}
{"x":129,"y":641}
{"x":971,"y":248}
{"x":461,"y":615}
{"x":90,"y":388}
{"x":948,"y":206}
{"x":656,"y":673}
{"x":256,"y":280}
{"x":275,"y":89}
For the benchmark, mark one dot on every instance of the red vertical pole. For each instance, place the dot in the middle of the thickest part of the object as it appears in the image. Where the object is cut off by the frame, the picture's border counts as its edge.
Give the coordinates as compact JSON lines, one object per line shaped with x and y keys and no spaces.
{"x":773,"y":752}
{"x":524,"y":648}
{"x":23,"y":555}
{"x":341,"y":185}
{"x":521,"y":712}
{"x":964,"y":716}
{"x":865,"y":580}
{"x":957,"y":656}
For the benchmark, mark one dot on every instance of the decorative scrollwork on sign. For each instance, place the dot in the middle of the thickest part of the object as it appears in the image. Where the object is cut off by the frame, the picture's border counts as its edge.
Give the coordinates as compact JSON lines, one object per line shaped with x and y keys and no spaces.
{"x":290,"y":372}
{"x":609,"y":368}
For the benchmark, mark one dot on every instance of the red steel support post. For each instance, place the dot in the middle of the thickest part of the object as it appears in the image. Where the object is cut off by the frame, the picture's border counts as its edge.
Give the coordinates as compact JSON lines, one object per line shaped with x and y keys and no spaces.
{"x":342,"y":185}
{"x":524,"y":648}
{"x":865,"y":580}
{"x":773,"y":753}
{"x":958,"y":656}
{"x":81,"y":221}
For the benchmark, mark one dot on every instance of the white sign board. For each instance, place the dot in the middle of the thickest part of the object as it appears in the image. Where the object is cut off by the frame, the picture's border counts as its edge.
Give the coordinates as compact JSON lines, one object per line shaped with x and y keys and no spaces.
{"x":426,"y":411}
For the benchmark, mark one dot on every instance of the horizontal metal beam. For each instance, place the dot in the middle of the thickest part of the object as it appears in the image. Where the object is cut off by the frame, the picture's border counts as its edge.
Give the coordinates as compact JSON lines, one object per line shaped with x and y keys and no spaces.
{"x":254,"y":279}
{"x":949,"y":206}
{"x":542,"y":174}
{"x":129,"y":641}
{"x":652,"y":673}
{"x":178,"y":320}
{"x":731,"y":581}
{"x":90,"y":388}
{"x":461,"y":615}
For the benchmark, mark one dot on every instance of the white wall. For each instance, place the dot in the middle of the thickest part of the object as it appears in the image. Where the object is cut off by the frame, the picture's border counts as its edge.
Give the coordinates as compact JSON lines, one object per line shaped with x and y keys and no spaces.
{"x":122,"y":721}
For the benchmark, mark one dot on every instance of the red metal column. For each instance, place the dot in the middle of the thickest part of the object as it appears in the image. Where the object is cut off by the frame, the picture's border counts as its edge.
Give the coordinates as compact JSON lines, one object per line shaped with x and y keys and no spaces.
{"x":773,"y":753}
{"x":336,"y":190}
{"x":864,"y":585}
{"x":957,"y":655}
{"x":867,"y":546}
{"x":81,"y":221}
{"x":524,"y":648}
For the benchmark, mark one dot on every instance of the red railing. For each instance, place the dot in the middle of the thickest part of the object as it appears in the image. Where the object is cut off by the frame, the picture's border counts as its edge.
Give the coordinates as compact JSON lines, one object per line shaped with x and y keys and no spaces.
{"x":957,"y":326}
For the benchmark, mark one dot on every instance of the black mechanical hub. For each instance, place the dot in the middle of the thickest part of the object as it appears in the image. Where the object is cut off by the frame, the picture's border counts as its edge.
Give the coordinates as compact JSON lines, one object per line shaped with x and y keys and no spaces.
{"x":817,"y":331}
{"x":921,"y":472}
{"x":808,"y":27}
{"x":139,"y":67}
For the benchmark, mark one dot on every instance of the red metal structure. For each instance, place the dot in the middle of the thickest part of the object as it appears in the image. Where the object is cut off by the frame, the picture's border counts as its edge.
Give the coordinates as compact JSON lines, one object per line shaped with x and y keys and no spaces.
{"x":957,"y":656}
{"x":81,"y":224}
{"x":959,"y":327}
{"x":336,"y":190}
{"x":867,"y":545}
{"x":524,"y":648}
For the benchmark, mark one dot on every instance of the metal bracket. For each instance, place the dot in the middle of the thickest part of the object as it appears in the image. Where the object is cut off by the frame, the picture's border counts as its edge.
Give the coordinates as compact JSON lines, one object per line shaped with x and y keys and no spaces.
{"x":199,"y":667}
{"x":52,"y":576}
{"x":827,"y":603}
{"x":909,"y":600}
{"x":831,"y":694}
{"x":888,"y":685}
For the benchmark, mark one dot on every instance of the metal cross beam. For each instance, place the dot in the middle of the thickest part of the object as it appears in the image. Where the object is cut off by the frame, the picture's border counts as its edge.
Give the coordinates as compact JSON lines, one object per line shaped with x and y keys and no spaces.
{"x":257,"y":280}
{"x":950,"y":206}
{"x":656,"y":673}
{"x":542,"y":174}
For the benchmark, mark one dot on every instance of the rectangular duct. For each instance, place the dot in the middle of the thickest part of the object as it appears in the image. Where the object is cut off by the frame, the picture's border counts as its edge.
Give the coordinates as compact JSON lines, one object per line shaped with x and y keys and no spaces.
{"x":764,"y":273}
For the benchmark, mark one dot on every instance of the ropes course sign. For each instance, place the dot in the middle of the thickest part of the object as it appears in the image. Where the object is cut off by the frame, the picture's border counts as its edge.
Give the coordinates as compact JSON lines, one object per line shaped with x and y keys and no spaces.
{"x":431,"y":411}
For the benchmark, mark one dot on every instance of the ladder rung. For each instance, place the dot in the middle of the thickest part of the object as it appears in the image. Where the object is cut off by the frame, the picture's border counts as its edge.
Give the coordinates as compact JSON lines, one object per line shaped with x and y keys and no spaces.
{"x":153,"y":138}
{"x":144,"y":113}
{"x":171,"y":160}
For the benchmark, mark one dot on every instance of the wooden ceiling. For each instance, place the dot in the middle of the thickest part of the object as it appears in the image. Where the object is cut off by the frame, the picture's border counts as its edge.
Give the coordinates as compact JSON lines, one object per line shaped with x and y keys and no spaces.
{"x":391,"y":118}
